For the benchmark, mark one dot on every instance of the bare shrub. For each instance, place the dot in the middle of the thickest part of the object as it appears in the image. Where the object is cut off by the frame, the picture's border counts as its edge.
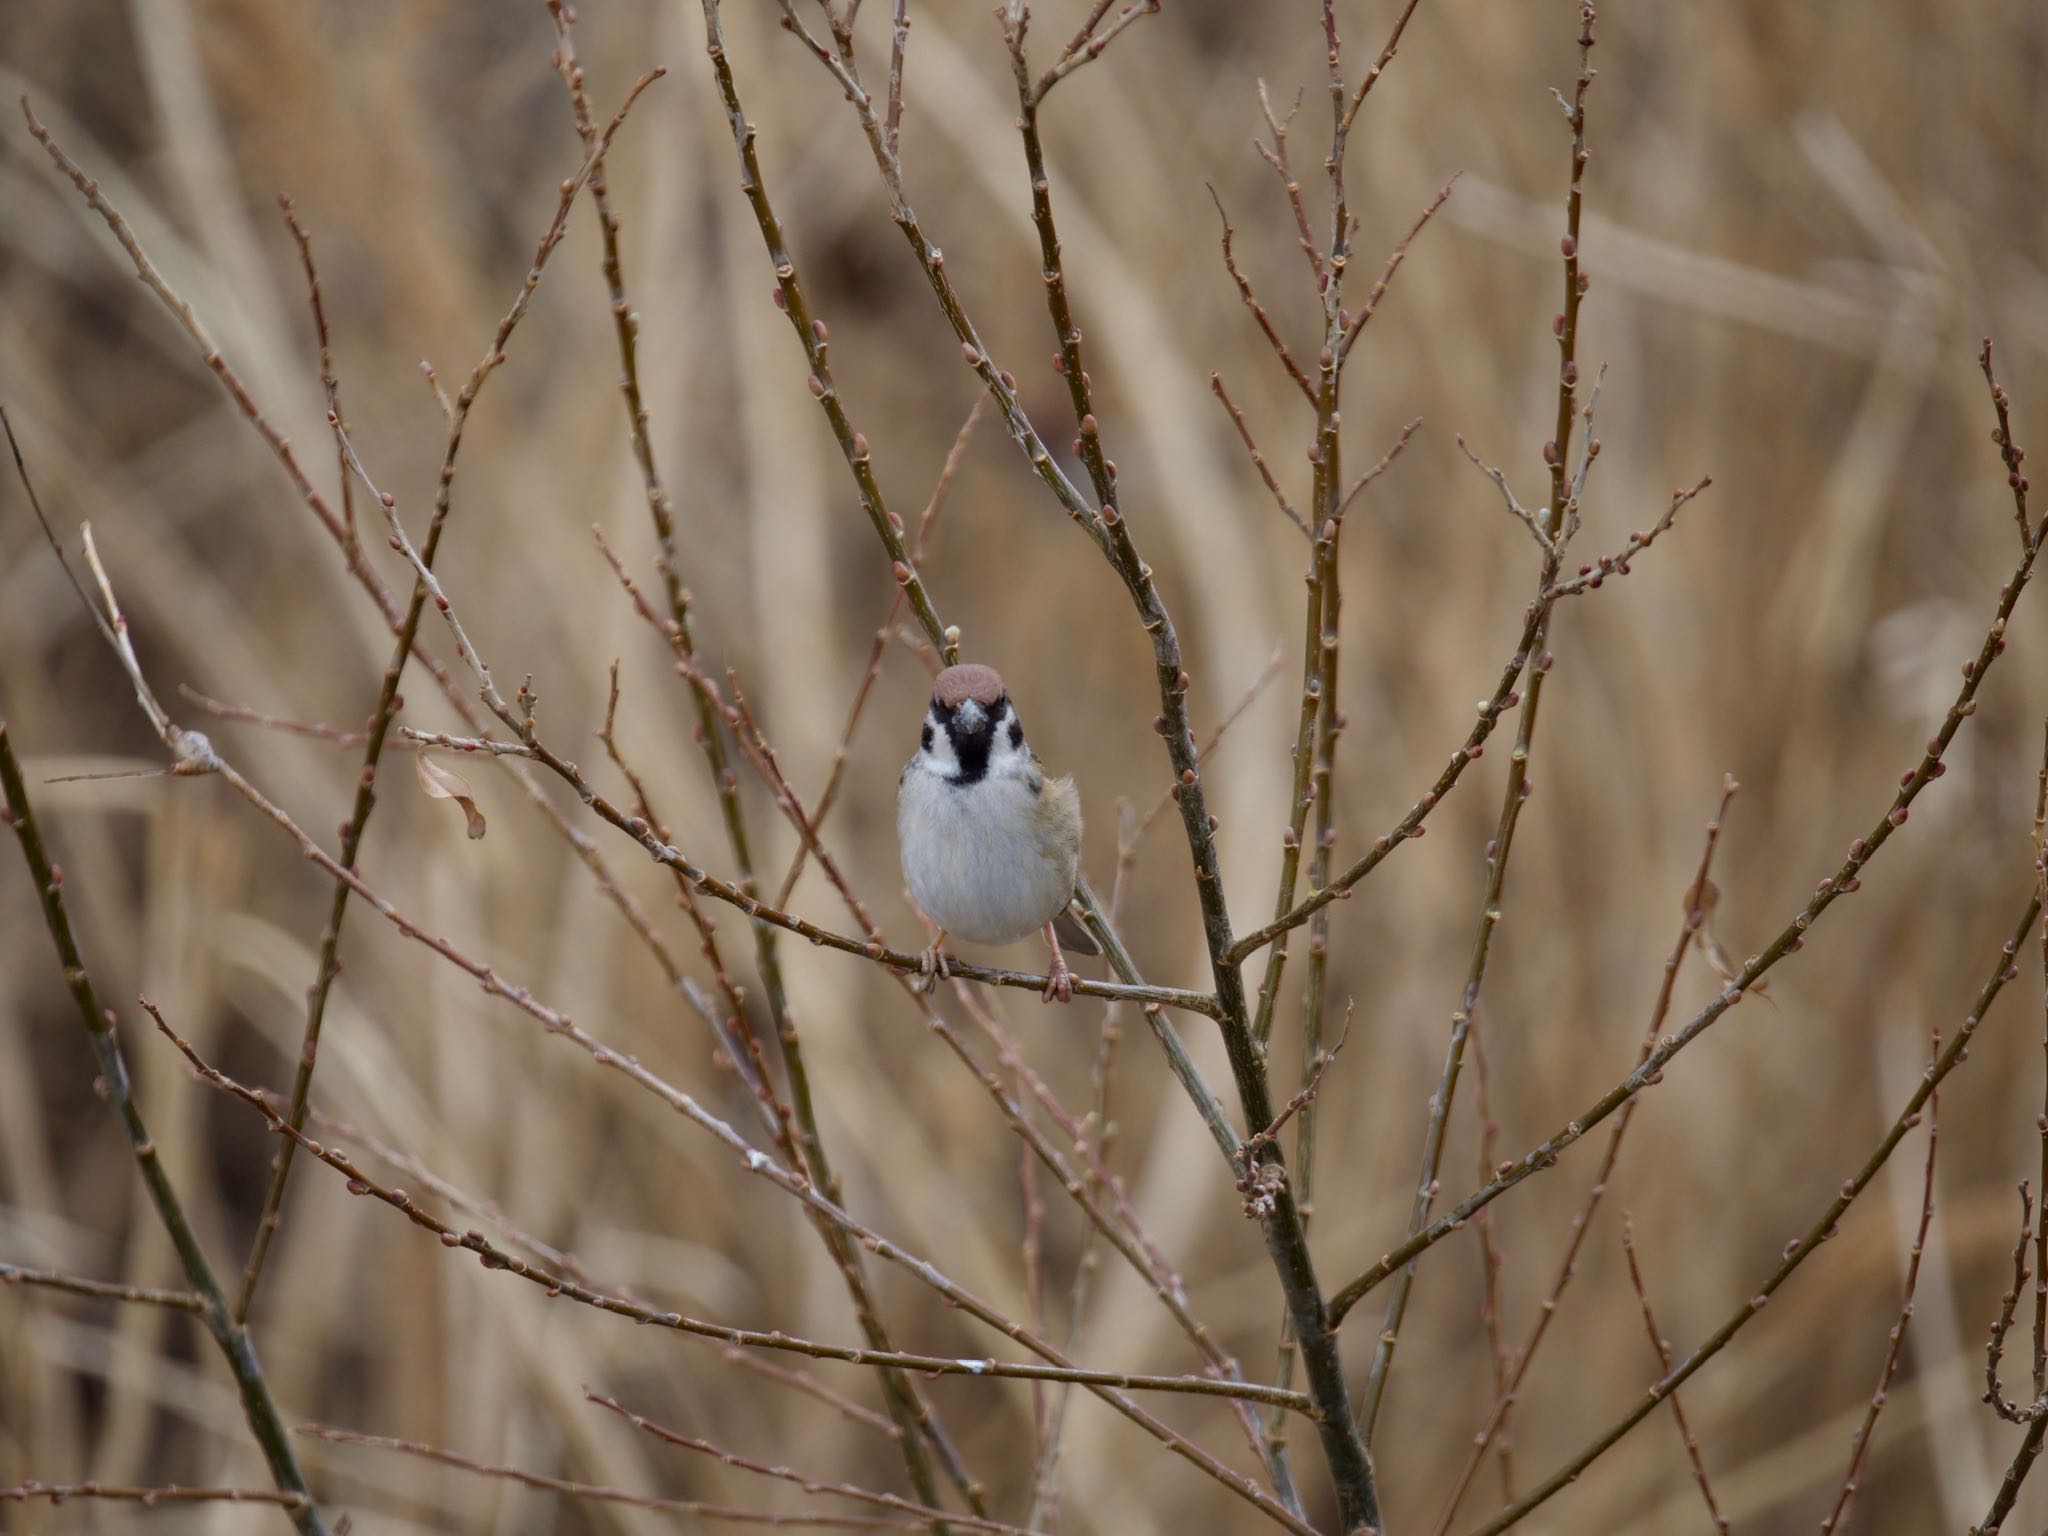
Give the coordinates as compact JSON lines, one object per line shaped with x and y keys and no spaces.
{"x":933,"y":1262}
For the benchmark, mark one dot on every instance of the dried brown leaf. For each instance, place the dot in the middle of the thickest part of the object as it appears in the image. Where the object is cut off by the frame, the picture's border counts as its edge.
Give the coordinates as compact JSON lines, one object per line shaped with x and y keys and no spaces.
{"x":444,"y":784}
{"x":1710,"y":944}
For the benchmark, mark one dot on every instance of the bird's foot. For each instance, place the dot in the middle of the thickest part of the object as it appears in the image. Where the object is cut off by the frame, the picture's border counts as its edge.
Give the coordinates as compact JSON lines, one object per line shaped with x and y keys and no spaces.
{"x":1059,"y":986}
{"x":1059,"y":982}
{"x":932,"y":967}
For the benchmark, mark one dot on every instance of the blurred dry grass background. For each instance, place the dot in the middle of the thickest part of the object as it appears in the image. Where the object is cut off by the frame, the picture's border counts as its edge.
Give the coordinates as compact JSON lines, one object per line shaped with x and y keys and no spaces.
{"x":1801,"y":220}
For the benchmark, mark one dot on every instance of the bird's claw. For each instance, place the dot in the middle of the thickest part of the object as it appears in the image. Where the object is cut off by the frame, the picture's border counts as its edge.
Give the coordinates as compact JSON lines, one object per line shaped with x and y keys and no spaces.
{"x":932,"y":969}
{"x":1059,"y":985}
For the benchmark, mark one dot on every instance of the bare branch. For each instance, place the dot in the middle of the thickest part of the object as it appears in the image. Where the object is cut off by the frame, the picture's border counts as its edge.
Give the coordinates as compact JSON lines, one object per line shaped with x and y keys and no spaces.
{"x":150,"y":1498}
{"x":1527,"y":518}
{"x":1258,"y":310}
{"x":1258,"y":458}
{"x":1662,"y":1347}
{"x":101,"y":1290}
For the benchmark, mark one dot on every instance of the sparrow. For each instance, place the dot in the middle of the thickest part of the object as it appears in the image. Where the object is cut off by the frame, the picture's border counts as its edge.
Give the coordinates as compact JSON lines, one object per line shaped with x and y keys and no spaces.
{"x":991,"y":847}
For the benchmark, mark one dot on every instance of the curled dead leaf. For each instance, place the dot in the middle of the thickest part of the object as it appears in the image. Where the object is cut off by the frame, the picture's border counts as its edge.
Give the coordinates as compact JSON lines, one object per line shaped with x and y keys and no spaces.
{"x":1710,"y":944}
{"x":443,"y":784}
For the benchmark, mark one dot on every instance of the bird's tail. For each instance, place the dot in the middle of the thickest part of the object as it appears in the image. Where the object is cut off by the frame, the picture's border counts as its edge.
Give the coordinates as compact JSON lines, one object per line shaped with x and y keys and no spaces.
{"x":1067,"y":924}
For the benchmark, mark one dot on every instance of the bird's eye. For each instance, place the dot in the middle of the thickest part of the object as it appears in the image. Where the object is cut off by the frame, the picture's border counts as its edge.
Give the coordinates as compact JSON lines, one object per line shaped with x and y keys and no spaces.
{"x":926,"y":737}
{"x":1016,"y":735}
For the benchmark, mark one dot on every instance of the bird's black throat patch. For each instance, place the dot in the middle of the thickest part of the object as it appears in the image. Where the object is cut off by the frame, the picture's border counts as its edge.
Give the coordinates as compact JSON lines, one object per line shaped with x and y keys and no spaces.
{"x":972,"y":749}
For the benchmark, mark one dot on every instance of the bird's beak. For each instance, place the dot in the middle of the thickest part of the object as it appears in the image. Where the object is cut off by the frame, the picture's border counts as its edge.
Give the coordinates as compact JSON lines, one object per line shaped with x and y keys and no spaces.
{"x":970,"y":717}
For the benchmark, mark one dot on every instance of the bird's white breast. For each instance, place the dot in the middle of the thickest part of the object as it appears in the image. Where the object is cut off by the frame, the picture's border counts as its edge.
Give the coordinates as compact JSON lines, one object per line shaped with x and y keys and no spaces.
{"x":976,"y":856}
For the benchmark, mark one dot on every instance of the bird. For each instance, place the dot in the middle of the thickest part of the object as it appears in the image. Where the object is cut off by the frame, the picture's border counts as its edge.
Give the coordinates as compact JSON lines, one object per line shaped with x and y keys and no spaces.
{"x":991,"y":846}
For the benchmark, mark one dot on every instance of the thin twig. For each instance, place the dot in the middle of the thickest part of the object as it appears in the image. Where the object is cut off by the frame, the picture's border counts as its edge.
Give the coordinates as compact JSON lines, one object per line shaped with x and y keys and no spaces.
{"x":313,"y":729}
{"x":101,"y":1290}
{"x":1491,"y":1261}
{"x":2011,"y":452}
{"x":115,"y":1086}
{"x":1107,"y":1385}
{"x":330,"y":387}
{"x":1301,"y":796}
{"x":598,"y":1491}
{"x":1552,"y":534}
{"x":1505,"y":697}
{"x":1395,"y":257}
{"x":1138,"y":1249}
{"x":1662,"y":1347}
{"x":1896,"y":1341}
{"x":2041,"y":1219}
{"x":836,"y":774}
{"x":388,"y":698}
{"x":1379,"y":67}
{"x":1800,"y":1249}
{"x":1591,"y":576}
{"x":1385,"y":461}
{"x":150,"y":1498}
{"x":1258,"y":310}
{"x":2015,"y":1475}
{"x":1845,"y":881}
{"x":584,"y":848}
{"x":899,"y":45}
{"x":805,"y":1137}
{"x":1694,"y":916}
{"x":1259,"y":458}
{"x":1522,"y":514}
{"x":924,"y":1514}
{"x":231,"y":381}
{"x":1275,"y":155}
{"x":1245,"y":701}
{"x":2003,"y":1406}
{"x":1088,"y":47}
{"x":497,"y":1258}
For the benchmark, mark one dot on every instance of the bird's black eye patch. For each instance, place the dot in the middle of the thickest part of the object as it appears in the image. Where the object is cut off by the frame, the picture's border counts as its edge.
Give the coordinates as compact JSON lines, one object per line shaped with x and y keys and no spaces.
{"x":1016,"y":735}
{"x":926,"y":736}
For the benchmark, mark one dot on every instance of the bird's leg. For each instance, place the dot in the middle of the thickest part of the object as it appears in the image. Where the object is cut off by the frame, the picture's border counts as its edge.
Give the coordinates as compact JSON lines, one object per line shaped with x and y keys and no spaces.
{"x":1059,"y":986}
{"x":931,"y":964}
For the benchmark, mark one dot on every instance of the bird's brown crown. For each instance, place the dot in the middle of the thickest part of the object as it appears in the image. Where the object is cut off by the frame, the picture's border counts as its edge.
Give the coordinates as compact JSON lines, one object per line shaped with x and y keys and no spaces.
{"x":971,"y":680}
